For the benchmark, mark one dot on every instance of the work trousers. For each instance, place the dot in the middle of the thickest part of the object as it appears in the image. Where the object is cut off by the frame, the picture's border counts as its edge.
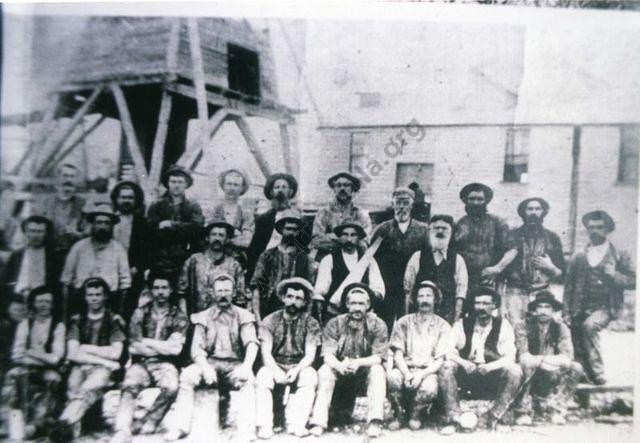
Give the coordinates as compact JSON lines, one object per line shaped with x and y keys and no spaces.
{"x":585,"y":332}
{"x":86,"y":385}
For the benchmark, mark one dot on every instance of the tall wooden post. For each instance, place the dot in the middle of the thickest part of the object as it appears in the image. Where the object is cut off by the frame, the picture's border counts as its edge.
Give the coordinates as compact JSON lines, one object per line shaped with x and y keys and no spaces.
{"x":198,"y":80}
{"x":574,"y":190}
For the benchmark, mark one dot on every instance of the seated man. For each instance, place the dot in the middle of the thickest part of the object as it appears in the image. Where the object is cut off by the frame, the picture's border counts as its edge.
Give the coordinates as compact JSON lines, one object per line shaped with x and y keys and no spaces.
{"x":546,"y":358}
{"x":353,"y":348}
{"x":94,"y":346}
{"x":30,"y":385}
{"x":221,"y":334}
{"x":289,"y":341}
{"x":419,"y":342}
{"x":156,"y":336}
{"x":482,"y":360}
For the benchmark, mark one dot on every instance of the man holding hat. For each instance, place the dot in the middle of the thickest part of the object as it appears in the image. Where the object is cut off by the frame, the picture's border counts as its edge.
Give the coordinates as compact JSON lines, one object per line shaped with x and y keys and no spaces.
{"x":287,"y":259}
{"x":594,"y":289}
{"x":546,"y":358}
{"x":482,"y":239}
{"x":289,"y":341}
{"x":175,"y":223}
{"x":336,"y":266}
{"x":195,"y":285}
{"x":482,"y":360}
{"x":341,"y":209}
{"x":99,"y":255}
{"x":401,"y":237}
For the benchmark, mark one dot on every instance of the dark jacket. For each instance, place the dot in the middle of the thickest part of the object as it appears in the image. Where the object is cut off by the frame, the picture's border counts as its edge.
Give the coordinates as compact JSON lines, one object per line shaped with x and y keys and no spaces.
{"x":52,"y":273}
{"x":139,"y":244}
{"x":265,"y":224}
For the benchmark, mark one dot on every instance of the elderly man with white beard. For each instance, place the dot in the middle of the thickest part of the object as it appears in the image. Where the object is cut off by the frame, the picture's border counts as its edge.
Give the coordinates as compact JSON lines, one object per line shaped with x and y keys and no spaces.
{"x":440,"y":263}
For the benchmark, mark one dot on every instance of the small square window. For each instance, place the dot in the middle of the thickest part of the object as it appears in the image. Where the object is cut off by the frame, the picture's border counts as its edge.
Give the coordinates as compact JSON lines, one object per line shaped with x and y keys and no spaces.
{"x":358,"y":149}
{"x":516,"y":159}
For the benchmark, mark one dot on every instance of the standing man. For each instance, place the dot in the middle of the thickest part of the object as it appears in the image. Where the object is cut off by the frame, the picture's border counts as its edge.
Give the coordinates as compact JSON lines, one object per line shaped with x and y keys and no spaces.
{"x":341,"y":209}
{"x":175,"y":223}
{"x":546,"y":358}
{"x":539,"y":259}
{"x":420,"y":344}
{"x":195,"y":286}
{"x":401,"y":237}
{"x":97,"y":256}
{"x":335,"y":267}
{"x":279,"y":189}
{"x":156,"y":336}
{"x":94,"y":345}
{"x":283,"y":261}
{"x":224,"y":349}
{"x":482,"y":239}
{"x":594,"y":291}
{"x":353,"y":346}
{"x":440,"y":263}
{"x":289,"y":341}
{"x":483,"y":360}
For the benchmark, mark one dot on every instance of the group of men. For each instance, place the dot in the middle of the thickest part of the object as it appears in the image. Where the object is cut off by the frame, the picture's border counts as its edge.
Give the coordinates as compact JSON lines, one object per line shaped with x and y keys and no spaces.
{"x":411,"y":312}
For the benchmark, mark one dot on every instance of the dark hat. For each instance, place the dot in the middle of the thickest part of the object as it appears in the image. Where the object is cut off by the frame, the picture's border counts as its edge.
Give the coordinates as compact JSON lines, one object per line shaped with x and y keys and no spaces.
{"x":354,"y":179}
{"x":221,"y":224}
{"x":288,"y":215}
{"x":245,"y":179}
{"x":599,"y":215}
{"x":40,"y":219}
{"x":488,"y":290}
{"x":427,"y":284}
{"x":295,"y":281}
{"x":522,"y":207}
{"x":350,"y":224}
{"x":137,"y":192}
{"x":356,"y":285}
{"x":271,"y":180}
{"x":442,"y":217}
{"x":471,"y":187}
{"x":101,"y":208}
{"x":177,"y":170}
{"x":544,"y":297}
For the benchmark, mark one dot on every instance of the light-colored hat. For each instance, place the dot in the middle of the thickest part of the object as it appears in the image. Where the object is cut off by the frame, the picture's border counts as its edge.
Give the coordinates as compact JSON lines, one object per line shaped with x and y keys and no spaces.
{"x":403,"y":191}
{"x":299,"y":281}
{"x":354,"y":179}
{"x":288,"y":215}
{"x":245,"y":179}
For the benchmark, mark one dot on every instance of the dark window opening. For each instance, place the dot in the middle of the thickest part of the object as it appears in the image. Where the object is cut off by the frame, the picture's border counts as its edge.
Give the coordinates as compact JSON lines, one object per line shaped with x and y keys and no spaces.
{"x":516,"y":159}
{"x":629,"y":149}
{"x":243,"y":70}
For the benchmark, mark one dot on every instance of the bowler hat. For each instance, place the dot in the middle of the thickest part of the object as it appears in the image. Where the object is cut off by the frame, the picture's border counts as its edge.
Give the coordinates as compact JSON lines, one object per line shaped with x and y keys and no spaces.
{"x":545,"y":297}
{"x":522,"y":207}
{"x":245,"y":179}
{"x":295,"y":281}
{"x":271,"y":180}
{"x":599,"y":215}
{"x":471,"y":187}
{"x":177,"y":170}
{"x":354,"y":179}
{"x":40,"y":219}
{"x":350,"y":224}
{"x":101,"y":208}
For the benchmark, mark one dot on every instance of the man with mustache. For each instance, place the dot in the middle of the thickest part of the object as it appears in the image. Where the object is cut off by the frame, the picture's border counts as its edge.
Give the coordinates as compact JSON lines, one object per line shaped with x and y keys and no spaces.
{"x":483,"y":361}
{"x":539,"y":259}
{"x":195,"y":285}
{"x":353,"y":346}
{"x":546,"y":358}
{"x":401,"y":237}
{"x":438,"y":262}
{"x":279,"y":189}
{"x":224,"y":349}
{"x":341,"y":209}
{"x":289,"y":341}
{"x":482,"y":239}
{"x":420,"y":342}
{"x":97,"y":256}
{"x":594,"y":289}
{"x":287,"y":259}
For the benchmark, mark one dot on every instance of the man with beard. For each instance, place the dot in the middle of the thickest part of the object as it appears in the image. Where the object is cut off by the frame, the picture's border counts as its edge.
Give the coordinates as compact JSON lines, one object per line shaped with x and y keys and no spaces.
{"x":341,"y":209}
{"x":64,"y":209}
{"x":539,"y":259}
{"x":482,"y":361}
{"x":482,"y":239}
{"x":224,"y":349}
{"x":283,"y":261}
{"x":438,"y":262}
{"x":156,"y":336}
{"x":594,"y":289}
{"x":279,"y":189}
{"x":94,"y":345}
{"x":289,"y":341}
{"x":335,"y":267}
{"x":97,"y":256}
{"x":175,"y":223}
{"x":195,"y":286}
{"x":353,"y":346}
{"x":419,"y":343}
{"x":546,"y":358}
{"x":31,"y":384}
{"x":401,"y":237}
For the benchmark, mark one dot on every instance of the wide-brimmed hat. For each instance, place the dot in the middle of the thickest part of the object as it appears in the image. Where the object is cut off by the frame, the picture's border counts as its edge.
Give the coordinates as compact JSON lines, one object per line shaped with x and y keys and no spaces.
{"x":488,"y":290}
{"x":403,"y":192}
{"x":354,"y":179}
{"x":222,"y":224}
{"x":138,"y":193}
{"x":599,"y":215}
{"x":544,"y":297}
{"x":350,"y":224}
{"x":245,"y":179}
{"x":271,"y":180}
{"x":295,"y":281}
{"x":288,"y":215}
{"x":522,"y":207}
{"x":101,"y":208}
{"x":471,"y":187}
{"x":41,"y":220}
{"x":356,"y":285}
{"x":177,"y":170}
{"x":428,"y":284}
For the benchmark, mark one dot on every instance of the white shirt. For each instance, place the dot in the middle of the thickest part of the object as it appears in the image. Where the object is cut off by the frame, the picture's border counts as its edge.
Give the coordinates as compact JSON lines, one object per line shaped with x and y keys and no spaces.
{"x":323,"y":281}
{"x":506,"y":340}
{"x":122,"y":231}
{"x":32,"y":270}
{"x":403,"y":226}
{"x":595,"y":254}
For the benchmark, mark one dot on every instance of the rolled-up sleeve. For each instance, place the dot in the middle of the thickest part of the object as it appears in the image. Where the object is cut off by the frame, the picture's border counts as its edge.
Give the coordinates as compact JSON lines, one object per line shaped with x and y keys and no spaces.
{"x":330,"y":337}
{"x":461,"y":277}
{"x":124,"y":272}
{"x":398,"y":339}
{"x":411,"y":272}
{"x":376,"y":283}
{"x":198,"y":348}
{"x":323,"y":281}
{"x":379,"y":339}
{"x":247,"y":323}
{"x":507,"y":342}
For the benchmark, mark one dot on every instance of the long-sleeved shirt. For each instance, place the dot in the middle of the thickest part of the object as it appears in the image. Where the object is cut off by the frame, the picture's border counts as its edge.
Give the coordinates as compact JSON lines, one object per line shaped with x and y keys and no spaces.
{"x":32,"y":270}
{"x":290,"y":337}
{"x":39,"y":336}
{"x":421,"y":341}
{"x":324,"y":279}
{"x":506,"y":346}
{"x":553,"y":338}
{"x":343,"y":337}
{"x":146,"y":322}
{"x":88,"y":259}
{"x":461,"y":278}
{"x":240,"y":218}
{"x":335,"y":214}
